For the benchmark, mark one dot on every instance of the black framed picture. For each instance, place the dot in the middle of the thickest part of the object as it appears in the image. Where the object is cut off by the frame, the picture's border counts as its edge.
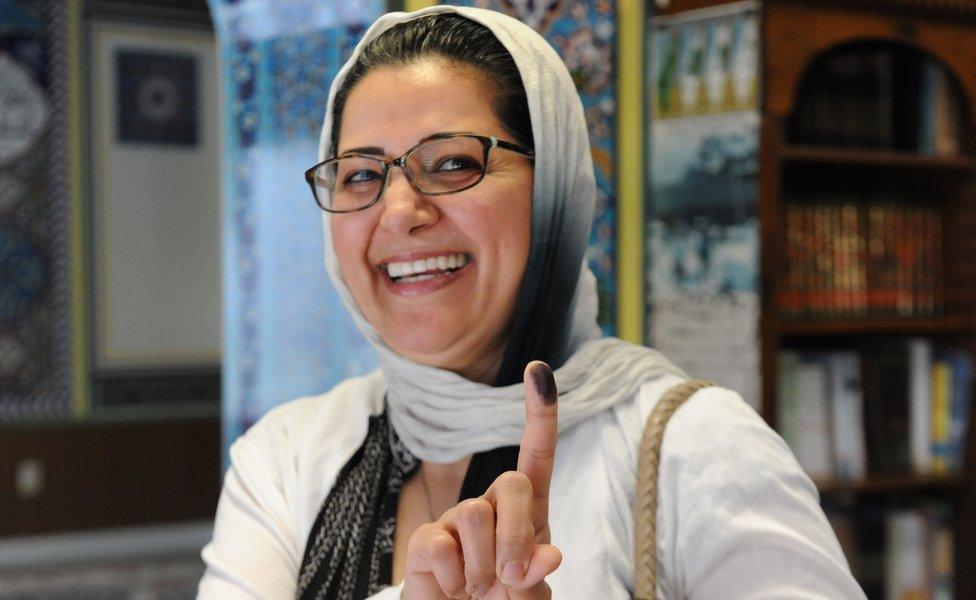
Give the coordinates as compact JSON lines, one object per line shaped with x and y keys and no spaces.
{"x":157,"y":101}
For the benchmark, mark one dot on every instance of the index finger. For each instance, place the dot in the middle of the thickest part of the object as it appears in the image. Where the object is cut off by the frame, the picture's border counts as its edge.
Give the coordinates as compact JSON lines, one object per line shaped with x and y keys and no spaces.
{"x":538,"y":449}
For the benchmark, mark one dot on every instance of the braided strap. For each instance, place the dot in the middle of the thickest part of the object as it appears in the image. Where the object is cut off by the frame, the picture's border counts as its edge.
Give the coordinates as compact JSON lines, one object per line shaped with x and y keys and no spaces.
{"x":645,"y":501}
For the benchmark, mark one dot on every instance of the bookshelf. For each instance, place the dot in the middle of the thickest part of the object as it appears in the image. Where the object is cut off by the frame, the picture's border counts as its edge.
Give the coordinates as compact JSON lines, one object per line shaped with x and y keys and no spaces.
{"x":879,"y":159}
{"x":894,"y":484}
{"x":847,"y":123}
{"x":933,"y":326}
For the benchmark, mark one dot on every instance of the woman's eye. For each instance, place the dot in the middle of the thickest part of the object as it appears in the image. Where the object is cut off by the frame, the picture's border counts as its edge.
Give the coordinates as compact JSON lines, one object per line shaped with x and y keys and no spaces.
{"x":361,"y":176}
{"x":457,"y":163}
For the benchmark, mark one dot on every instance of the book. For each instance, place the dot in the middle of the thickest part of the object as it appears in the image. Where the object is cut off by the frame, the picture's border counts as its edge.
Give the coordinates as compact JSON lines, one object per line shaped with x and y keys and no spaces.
{"x":886,"y":410}
{"x":847,"y":413}
{"x":961,"y":374}
{"x":880,"y":98}
{"x":848,"y":101}
{"x":812,"y":434}
{"x":926,"y":120}
{"x":898,"y":553}
{"x":941,"y":415}
{"x":941,"y":113}
{"x":862,"y":257}
{"x":941,"y":545}
{"x":920,"y":400}
{"x":786,"y":396}
{"x":906,"y":555}
{"x":895,"y":406}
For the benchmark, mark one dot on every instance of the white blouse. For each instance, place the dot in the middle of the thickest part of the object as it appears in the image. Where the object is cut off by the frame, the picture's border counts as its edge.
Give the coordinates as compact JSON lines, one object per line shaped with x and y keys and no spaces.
{"x":737,"y":517}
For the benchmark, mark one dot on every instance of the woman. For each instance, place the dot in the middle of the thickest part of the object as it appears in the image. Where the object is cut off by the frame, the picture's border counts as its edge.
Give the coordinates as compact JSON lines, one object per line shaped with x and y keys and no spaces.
{"x":458,"y":191}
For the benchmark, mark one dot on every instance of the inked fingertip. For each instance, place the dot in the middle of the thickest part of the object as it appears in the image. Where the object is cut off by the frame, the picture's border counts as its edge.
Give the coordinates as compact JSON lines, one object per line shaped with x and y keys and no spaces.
{"x":544,"y":382}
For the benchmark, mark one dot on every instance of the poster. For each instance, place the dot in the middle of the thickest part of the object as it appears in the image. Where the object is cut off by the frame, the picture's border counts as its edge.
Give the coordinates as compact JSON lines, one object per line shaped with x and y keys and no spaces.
{"x":702,"y":230}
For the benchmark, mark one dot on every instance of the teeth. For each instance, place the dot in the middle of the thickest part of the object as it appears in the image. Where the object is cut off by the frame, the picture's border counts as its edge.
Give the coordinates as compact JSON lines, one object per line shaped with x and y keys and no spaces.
{"x":417,"y":270}
{"x":421,"y":277}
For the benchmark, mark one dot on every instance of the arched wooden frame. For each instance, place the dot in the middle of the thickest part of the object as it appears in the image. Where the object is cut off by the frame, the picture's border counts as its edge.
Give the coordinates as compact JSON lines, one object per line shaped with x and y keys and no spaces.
{"x":855,"y":43}
{"x":800,"y":33}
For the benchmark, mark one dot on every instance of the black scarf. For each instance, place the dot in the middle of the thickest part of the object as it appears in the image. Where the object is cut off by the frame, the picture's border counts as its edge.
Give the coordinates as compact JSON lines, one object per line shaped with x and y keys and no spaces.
{"x":349,"y":552}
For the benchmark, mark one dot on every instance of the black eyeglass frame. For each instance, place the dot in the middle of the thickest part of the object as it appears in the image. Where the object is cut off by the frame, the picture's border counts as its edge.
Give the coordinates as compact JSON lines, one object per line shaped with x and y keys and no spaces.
{"x":488,"y":142}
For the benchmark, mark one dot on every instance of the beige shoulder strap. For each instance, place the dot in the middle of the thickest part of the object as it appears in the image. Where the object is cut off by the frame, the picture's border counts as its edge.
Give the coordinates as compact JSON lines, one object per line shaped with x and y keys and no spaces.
{"x":645,"y":500}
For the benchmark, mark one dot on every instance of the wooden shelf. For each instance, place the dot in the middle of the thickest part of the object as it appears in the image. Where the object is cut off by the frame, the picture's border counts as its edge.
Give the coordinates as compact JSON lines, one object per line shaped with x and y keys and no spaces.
{"x":952,"y":325}
{"x":895,"y":484}
{"x":807,"y":173}
{"x":865,"y":157}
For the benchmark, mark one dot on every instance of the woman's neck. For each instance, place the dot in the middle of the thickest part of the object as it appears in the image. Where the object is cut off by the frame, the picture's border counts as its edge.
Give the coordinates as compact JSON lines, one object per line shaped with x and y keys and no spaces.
{"x":442,"y":483}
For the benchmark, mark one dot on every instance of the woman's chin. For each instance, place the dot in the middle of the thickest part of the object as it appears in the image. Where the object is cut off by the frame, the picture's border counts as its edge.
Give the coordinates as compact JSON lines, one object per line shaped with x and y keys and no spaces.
{"x":424,"y":352}
{"x":447,"y":356}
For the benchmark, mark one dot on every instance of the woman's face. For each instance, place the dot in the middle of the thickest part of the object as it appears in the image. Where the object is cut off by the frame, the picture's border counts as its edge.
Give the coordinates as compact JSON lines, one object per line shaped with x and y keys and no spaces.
{"x":455,"y":319}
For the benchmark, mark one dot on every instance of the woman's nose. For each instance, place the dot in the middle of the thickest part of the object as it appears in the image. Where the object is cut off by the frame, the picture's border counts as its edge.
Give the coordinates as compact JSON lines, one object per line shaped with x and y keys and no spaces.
{"x":405,"y":210}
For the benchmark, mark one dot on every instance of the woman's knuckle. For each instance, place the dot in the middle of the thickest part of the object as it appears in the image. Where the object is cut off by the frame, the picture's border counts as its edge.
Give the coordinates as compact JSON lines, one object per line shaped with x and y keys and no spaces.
{"x":475,"y":513}
{"x":515,"y":481}
{"x":440,"y":546}
{"x":420,"y":539}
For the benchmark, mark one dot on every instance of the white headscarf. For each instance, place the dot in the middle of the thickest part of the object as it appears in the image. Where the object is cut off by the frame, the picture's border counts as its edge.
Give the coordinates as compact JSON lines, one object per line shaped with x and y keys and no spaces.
{"x":441,"y":416}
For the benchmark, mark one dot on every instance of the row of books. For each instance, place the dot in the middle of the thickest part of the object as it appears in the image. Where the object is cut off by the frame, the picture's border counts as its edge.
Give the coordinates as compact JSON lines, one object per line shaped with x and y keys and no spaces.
{"x":880,"y":97}
{"x":904,"y":554}
{"x":889,"y":407}
{"x":857,"y":259}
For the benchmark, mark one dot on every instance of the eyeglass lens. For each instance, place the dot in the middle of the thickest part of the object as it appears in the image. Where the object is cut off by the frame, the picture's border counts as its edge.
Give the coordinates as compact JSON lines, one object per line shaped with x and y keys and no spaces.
{"x":437,"y":167}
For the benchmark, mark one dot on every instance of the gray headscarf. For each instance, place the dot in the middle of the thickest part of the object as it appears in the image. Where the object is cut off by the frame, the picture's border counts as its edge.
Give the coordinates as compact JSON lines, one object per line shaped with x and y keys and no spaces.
{"x":441,"y":416}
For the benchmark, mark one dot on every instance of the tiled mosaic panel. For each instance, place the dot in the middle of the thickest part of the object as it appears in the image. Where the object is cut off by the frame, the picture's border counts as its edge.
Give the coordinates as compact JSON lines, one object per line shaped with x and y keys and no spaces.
{"x":35,"y":311}
{"x":286,"y":332}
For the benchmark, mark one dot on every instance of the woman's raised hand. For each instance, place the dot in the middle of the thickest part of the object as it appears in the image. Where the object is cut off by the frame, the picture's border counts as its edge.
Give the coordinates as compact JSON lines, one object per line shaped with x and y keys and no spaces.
{"x":497,"y":546}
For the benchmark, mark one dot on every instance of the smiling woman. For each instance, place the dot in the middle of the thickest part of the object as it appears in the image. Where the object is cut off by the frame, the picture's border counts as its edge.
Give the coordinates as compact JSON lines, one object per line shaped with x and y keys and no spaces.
{"x":457,"y":191}
{"x":454,"y":319}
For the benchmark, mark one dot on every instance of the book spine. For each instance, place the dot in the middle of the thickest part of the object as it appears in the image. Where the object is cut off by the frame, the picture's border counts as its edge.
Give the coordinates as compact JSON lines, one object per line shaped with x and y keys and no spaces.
{"x":848,"y":420}
{"x":935,"y":259}
{"x":961,"y":398}
{"x":941,"y":409}
{"x":907,"y":557}
{"x":875,"y":258}
{"x":920,"y":403}
{"x":942,"y":565}
{"x":886,"y":410}
{"x":814,"y":449}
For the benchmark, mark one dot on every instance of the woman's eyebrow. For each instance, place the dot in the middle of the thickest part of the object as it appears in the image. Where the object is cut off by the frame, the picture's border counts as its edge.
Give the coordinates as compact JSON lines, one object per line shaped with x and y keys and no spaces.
{"x":364,"y":150}
{"x":379,"y":151}
{"x":438,"y":134}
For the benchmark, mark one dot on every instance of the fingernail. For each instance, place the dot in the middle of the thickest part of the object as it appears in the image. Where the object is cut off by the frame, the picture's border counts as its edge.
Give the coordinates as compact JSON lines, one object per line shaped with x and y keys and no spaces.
{"x":513,"y":572}
{"x":544,"y":382}
{"x":481,"y":591}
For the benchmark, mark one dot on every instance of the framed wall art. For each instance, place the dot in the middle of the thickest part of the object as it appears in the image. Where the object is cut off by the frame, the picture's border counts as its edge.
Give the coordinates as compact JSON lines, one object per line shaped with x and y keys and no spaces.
{"x":154,"y":213}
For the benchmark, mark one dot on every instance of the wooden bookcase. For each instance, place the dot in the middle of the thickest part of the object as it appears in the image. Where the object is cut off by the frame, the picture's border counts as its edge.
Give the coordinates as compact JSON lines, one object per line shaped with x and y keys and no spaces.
{"x":944,"y":31}
{"x":795,"y":35}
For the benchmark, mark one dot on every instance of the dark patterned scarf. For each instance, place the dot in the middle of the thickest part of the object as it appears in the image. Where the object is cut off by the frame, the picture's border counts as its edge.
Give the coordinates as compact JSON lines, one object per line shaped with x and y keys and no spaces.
{"x":349,"y":552}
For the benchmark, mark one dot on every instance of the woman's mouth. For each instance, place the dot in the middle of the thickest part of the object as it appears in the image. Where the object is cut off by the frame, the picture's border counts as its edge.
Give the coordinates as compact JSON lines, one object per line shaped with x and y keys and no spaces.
{"x":425,"y":269}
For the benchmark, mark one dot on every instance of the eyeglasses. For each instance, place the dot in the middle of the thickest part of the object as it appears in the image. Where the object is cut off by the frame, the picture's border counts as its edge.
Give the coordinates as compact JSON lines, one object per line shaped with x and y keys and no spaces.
{"x":444,"y":164}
